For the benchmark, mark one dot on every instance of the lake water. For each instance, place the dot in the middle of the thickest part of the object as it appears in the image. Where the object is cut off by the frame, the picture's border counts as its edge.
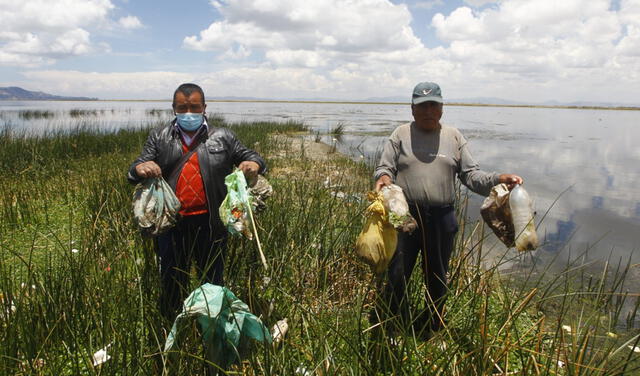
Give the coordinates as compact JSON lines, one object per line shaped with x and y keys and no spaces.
{"x":590,"y":155}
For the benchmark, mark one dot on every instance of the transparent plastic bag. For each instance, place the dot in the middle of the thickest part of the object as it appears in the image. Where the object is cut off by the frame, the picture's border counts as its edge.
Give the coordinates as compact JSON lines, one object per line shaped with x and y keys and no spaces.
{"x":398,"y":209}
{"x":510,"y":215}
{"x":234,"y":210}
{"x":155,"y":206}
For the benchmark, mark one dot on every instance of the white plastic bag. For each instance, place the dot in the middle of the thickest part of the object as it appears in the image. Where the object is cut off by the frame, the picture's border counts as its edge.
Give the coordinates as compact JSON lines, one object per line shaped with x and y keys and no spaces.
{"x":398,"y":209}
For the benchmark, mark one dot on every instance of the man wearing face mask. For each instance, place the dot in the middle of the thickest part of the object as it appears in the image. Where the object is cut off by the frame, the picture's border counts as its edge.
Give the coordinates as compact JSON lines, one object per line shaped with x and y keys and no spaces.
{"x":198,"y":181}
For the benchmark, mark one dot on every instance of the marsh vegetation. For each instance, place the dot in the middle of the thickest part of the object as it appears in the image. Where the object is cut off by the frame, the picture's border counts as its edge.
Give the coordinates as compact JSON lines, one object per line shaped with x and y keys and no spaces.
{"x":76,"y":276}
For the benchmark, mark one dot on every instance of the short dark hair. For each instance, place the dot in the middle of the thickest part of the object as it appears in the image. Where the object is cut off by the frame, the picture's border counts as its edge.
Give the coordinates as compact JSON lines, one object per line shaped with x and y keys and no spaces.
{"x":187,"y":89}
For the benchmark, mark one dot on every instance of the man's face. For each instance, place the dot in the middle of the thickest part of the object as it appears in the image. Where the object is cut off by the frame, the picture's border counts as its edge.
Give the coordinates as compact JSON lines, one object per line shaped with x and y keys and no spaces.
{"x":192,"y":104}
{"x":427,"y":114}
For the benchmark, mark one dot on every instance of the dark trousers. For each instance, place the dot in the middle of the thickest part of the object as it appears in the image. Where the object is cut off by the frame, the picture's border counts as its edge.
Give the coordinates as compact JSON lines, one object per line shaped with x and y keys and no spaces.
{"x":434,"y":237}
{"x":190,"y":241}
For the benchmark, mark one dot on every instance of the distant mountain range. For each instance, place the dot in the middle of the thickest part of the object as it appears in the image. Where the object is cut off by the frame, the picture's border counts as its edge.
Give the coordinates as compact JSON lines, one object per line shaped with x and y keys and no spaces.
{"x":17,"y":93}
{"x":14,"y":93}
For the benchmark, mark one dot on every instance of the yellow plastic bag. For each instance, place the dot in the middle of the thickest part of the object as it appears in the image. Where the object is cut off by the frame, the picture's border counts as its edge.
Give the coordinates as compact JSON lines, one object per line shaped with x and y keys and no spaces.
{"x":377,"y":242}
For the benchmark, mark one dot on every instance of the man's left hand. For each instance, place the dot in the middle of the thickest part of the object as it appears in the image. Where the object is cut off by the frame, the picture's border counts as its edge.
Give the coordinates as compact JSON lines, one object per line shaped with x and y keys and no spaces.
{"x":250,"y":170}
{"x":510,"y":180}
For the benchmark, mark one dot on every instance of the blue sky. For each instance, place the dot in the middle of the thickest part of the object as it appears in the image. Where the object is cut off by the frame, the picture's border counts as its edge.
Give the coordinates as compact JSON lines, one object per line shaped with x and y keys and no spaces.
{"x":523,"y":50}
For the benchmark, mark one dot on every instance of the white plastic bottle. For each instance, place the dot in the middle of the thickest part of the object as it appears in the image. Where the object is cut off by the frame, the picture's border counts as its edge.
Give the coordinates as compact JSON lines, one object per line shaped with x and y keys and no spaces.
{"x":523,"y":224}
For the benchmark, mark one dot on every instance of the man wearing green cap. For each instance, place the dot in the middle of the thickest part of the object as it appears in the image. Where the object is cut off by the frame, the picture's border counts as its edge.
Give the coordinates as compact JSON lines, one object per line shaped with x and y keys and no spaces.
{"x":424,"y":157}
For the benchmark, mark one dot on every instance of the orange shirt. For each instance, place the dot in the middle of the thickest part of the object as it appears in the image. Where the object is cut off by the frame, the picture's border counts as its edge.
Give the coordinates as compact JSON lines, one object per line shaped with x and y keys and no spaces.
{"x":190,"y":187}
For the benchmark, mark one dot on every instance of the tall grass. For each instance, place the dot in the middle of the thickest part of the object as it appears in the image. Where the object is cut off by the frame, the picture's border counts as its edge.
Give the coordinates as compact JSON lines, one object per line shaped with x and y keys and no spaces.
{"x":76,"y":276}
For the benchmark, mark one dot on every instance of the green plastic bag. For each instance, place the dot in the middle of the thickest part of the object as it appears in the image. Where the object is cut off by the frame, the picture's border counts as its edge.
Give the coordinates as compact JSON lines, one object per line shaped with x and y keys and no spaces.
{"x":234,"y":210}
{"x":225,"y":322}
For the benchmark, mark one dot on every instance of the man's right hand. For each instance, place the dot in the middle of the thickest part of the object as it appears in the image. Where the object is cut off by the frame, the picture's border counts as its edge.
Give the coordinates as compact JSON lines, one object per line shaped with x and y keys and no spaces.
{"x":149,"y":169}
{"x":384,"y":180}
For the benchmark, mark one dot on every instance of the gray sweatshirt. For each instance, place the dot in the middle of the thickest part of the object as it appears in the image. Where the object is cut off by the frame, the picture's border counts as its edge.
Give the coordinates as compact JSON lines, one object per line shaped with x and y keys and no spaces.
{"x":425,"y":164}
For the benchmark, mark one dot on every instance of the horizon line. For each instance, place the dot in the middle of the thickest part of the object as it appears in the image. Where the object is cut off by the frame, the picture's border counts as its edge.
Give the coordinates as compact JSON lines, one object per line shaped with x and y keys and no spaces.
{"x":460,"y":104}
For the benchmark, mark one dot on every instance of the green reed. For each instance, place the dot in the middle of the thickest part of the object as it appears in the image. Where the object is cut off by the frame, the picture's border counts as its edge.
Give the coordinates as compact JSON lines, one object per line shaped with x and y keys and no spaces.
{"x":76,"y":276}
{"x":35,"y":114}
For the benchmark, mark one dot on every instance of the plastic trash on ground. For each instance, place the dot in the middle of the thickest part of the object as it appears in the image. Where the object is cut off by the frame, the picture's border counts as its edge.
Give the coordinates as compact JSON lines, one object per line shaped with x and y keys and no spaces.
{"x":225,"y":322}
{"x":377,"y":241}
{"x":498,"y":212}
{"x":155,"y":206}
{"x":234,"y":210}
{"x":279,"y":330}
{"x":101,"y":356}
{"x":398,"y":209}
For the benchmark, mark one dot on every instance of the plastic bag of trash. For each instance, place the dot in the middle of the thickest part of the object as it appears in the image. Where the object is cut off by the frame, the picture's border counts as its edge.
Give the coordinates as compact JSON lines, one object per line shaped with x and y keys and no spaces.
{"x":377,"y":241}
{"x":398,"y":209}
{"x":498,"y":212}
{"x":225,"y":322}
{"x":260,"y":191}
{"x":155,"y":206}
{"x":234,"y":210}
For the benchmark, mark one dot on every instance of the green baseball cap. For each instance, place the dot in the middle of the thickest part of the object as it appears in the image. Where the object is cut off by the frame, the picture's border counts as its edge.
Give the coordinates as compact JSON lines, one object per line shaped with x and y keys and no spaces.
{"x":426,"y":91}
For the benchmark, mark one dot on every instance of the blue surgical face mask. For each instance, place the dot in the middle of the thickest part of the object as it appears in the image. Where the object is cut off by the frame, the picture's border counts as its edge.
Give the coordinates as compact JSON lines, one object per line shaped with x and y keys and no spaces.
{"x":190,"y":121}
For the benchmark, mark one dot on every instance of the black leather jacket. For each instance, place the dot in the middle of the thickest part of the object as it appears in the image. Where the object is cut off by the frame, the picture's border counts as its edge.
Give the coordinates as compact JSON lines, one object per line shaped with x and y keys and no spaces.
{"x":218,"y":155}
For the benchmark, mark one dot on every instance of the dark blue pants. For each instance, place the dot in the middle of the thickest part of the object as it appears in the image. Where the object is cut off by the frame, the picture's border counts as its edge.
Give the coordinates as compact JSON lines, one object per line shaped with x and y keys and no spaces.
{"x":434,"y":237}
{"x":189,"y":242}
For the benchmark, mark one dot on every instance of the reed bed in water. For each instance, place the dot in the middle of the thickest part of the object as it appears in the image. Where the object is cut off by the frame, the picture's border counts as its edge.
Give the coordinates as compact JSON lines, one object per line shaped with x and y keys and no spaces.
{"x":35,"y":114}
{"x":75,"y":276}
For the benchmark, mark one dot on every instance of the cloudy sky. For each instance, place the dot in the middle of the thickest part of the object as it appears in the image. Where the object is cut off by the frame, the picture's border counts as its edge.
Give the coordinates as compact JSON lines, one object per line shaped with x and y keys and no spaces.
{"x":523,"y":50}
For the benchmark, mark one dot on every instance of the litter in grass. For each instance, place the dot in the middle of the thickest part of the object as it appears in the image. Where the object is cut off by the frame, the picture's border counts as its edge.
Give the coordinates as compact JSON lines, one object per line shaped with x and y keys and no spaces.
{"x":279,"y":330}
{"x":225,"y":322}
{"x":101,"y":356}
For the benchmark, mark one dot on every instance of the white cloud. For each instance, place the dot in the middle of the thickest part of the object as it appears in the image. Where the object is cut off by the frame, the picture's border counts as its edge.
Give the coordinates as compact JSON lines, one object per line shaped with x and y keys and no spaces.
{"x":38,"y":32}
{"x":130,"y":22}
{"x":529,"y":50}
{"x":429,"y":4}
{"x":569,"y":46}
{"x":296,"y":58}
{"x":295,"y":32}
{"x":148,"y":85}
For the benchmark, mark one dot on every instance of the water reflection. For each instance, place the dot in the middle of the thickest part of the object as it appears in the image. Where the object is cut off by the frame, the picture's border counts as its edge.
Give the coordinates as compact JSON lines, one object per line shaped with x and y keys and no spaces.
{"x":592,"y":152}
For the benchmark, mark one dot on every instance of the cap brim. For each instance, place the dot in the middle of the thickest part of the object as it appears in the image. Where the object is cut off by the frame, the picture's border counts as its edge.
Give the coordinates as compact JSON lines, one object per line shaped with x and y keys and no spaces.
{"x":419,"y":100}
